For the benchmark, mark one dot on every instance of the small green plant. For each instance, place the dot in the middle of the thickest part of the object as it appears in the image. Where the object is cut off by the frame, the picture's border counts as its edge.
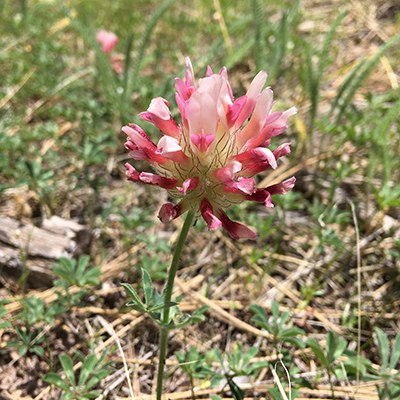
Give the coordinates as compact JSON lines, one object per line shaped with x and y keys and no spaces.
{"x":236,"y":364}
{"x":30,"y":336}
{"x":389,"y":372}
{"x":33,"y":310}
{"x":75,"y":272}
{"x":337,"y":359}
{"x":195,"y":365}
{"x":39,"y":179}
{"x":309,"y":292}
{"x":82,"y":387}
{"x":79,"y":273}
{"x":278,"y":325}
{"x":28,"y":340}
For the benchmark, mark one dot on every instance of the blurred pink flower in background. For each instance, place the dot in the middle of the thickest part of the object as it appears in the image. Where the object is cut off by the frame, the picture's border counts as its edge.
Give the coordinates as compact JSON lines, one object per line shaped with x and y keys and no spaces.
{"x":209,"y":160}
{"x":107,"y":40}
{"x":117,"y":63}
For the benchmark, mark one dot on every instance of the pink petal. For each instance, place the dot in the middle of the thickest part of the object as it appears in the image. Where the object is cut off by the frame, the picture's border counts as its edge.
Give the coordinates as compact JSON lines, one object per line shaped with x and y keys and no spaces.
{"x":202,"y":142}
{"x":159,"y":114}
{"x":234,"y":110}
{"x":201,"y":113}
{"x":282,"y":120}
{"x":207,"y":212}
{"x":223,"y":72}
{"x":209,"y":71}
{"x":182,"y":91}
{"x":261,"y":196}
{"x":282,"y":150}
{"x":258,"y":118}
{"x":227,"y":173}
{"x":153,"y":179}
{"x":246,"y":185}
{"x":257,"y":155}
{"x":252,"y":93}
{"x":181,"y":102}
{"x":168,"y":211}
{"x":283,"y":187}
{"x":169,"y":148}
{"x":235,"y":229}
{"x":189,"y":184}
{"x":243,"y":186}
{"x":131,"y":173}
{"x":138,"y":136}
{"x":141,"y":147}
{"x":189,"y":73}
{"x":135,"y":152}
{"x":159,"y":107}
{"x":275,"y":124}
{"x":256,"y":160}
{"x":274,"y":116}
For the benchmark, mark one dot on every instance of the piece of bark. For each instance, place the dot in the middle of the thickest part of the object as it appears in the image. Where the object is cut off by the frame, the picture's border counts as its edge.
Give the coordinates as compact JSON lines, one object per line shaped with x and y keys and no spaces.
{"x":35,"y":241}
{"x":36,"y":249}
{"x":61,"y":226}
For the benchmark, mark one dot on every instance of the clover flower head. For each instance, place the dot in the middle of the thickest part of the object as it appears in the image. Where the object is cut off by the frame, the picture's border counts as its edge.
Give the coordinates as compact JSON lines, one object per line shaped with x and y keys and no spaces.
{"x":107,"y":40}
{"x":208,"y":161}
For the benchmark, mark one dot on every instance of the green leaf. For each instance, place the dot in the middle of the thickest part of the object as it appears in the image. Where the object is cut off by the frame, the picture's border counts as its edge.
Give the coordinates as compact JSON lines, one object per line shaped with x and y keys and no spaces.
{"x":68,"y":367}
{"x":335,"y":346}
{"x":258,"y":365}
{"x":22,"y":350}
{"x":82,"y":264}
{"x":87,"y":368}
{"x":147,"y":287}
{"x":259,"y":317}
{"x":317,"y":350}
{"x":326,"y":47}
{"x":249,"y":355}
{"x":394,"y":359}
{"x":291,"y":332}
{"x":94,"y":380}
{"x":38,"y":350}
{"x":54,"y":379}
{"x":162,"y":306}
{"x":92,"y":276}
{"x":284,"y":317}
{"x":383,"y":344}
{"x":295,"y":342}
{"x":275,"y":310}
{"x":133,"y":294}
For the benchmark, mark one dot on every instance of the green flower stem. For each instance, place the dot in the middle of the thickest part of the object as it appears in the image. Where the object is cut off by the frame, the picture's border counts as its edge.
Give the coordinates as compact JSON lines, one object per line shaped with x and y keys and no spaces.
{"x":164,"y":330}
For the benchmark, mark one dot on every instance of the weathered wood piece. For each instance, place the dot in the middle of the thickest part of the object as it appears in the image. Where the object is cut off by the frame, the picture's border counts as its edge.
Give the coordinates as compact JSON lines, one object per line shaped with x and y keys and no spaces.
{"x":24,"y":246}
